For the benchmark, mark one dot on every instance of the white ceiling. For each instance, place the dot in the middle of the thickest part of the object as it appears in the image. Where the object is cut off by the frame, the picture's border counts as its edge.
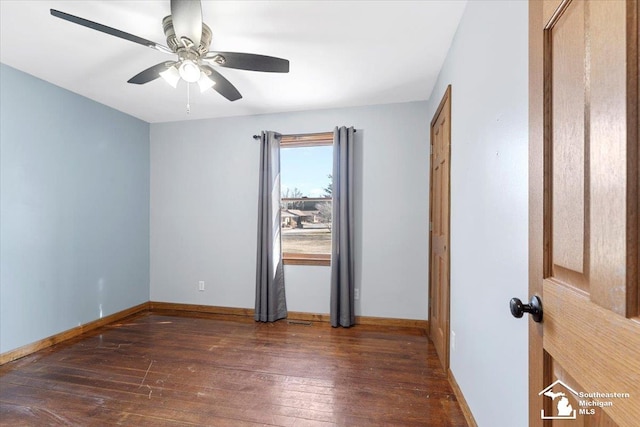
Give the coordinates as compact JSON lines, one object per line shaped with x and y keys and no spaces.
{"x":342,"y":53}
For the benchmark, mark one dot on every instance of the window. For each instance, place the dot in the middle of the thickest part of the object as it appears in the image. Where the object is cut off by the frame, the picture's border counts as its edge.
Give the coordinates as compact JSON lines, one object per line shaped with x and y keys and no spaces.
{"x":306,"y":166}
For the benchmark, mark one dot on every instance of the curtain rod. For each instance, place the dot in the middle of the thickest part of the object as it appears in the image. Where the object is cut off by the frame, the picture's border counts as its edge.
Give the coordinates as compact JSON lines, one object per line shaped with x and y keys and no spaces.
{"x":258,"y":136}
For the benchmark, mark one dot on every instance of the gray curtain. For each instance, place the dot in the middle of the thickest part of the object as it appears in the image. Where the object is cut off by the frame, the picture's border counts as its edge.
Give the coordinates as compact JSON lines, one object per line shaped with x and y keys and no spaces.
{"x":271,"y":303}
{"x":342,"y":267}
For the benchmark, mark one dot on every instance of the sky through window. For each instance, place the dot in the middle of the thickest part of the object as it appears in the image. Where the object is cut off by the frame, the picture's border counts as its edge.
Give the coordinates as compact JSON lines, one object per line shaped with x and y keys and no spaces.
{"x":307,"y":169}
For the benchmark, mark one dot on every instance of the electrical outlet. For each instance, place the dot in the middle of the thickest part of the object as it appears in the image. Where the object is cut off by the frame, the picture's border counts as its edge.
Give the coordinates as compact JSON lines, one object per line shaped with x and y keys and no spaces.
{"x":201,"y":285}
{"x":453,"y":341}
{"x":356,"y":293}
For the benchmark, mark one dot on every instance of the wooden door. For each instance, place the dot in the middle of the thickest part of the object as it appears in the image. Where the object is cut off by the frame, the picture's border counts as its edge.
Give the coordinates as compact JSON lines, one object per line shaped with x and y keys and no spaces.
{"x":583,"y":202}
{"x":439,"y":225}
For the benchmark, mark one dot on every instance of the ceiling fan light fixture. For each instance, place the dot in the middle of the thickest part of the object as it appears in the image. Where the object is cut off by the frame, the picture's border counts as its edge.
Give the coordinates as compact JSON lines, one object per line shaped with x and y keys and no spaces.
{"x":171,"y":76}
{"x":189,"y":71}
{"x":205,"y":82}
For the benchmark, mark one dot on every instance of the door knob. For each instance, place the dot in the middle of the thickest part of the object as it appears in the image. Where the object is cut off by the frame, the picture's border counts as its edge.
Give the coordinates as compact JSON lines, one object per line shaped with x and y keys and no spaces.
{"x":534,"y":308}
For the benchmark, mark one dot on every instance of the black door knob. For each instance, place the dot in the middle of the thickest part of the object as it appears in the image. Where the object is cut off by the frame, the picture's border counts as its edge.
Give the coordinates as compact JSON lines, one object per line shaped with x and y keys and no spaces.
{"x":534,"y":308}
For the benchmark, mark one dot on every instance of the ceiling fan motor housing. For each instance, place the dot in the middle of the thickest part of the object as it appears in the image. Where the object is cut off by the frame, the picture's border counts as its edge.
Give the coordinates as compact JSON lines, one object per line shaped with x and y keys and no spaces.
{"x":177,"y":46}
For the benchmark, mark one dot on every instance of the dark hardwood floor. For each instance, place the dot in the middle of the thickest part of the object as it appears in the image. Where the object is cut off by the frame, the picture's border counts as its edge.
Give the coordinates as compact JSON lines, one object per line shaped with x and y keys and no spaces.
{"x":156,"y":370}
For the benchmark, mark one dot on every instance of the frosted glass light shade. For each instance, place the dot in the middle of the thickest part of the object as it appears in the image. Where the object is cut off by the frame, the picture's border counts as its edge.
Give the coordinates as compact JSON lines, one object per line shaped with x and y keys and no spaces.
{"x":205,"y":82}
{"x":189,"y":71}
{"x":171,"y":76}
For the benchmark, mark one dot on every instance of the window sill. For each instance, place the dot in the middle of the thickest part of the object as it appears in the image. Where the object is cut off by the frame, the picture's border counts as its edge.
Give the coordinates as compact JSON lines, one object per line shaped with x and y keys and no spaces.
{"x":306,"y":259}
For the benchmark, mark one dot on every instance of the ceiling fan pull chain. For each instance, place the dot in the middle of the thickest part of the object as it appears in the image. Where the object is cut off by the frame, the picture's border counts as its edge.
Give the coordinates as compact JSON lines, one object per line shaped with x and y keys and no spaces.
{"x":188,"y":99}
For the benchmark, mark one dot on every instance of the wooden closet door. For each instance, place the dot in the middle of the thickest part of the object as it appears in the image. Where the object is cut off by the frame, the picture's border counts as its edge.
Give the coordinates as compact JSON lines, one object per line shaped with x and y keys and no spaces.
{"x":439,"y":225}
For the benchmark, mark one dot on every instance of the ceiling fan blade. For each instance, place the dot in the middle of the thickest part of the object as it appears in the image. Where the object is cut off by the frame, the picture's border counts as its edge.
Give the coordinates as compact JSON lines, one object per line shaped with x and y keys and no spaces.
{"x":187,"y":20}
{"x":222,"y":86}
{"x":249,"y":61}
{"x":150,"y":73}
{"x":109,"y":30}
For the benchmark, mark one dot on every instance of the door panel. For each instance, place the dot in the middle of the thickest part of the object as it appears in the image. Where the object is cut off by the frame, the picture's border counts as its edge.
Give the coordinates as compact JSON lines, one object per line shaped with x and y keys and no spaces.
{"x":583,"y":211}
{"x":599,"y":349}
{"x":569,"y":157}
{"x":439,"y":258}
{"x":608,"y":135}
{"x":599,"y":418}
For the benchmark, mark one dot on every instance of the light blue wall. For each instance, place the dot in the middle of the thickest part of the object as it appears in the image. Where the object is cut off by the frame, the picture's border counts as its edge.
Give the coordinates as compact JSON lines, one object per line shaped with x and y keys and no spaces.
{"x":204,"y":192}
{"x":487,"y":67}
{"x":74,"y":219}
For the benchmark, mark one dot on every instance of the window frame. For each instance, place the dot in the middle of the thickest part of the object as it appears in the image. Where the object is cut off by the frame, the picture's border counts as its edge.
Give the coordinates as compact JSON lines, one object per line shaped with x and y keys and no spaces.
{"x":296,"y":141}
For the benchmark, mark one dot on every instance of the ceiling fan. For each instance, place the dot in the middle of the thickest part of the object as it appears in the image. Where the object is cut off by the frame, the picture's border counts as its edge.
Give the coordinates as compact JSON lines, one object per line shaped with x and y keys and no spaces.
{"x":189,"y":38}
